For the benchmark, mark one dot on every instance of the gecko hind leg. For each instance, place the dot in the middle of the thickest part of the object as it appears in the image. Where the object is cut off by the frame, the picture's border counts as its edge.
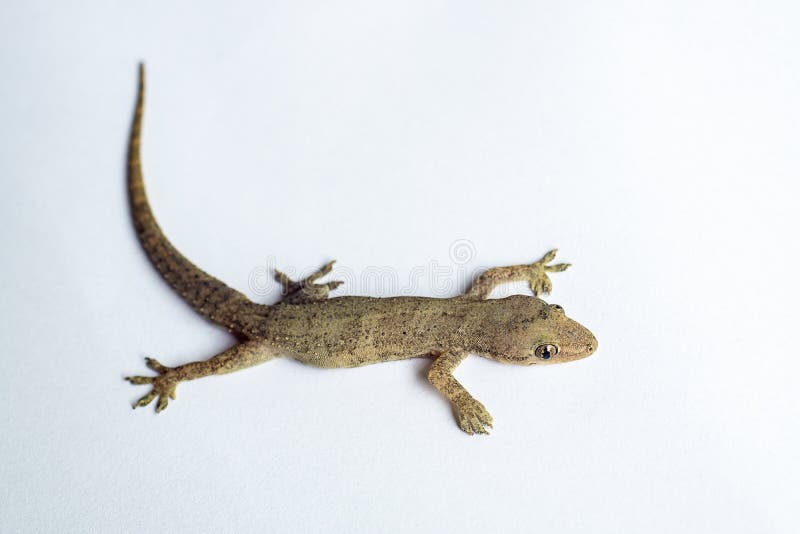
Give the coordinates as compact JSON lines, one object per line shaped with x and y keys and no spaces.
{"x":307,"y":290}
{"x":239,"y":356}
{"x":534,"y":273}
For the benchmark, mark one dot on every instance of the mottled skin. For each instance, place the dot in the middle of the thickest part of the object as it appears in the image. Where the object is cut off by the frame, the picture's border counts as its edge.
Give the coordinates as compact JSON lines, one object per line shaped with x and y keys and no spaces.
{"x":353,"y":331}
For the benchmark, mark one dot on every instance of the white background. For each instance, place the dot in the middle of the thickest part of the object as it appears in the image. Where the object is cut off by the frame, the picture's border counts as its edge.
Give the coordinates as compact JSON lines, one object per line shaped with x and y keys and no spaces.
{"x":655,"y":143}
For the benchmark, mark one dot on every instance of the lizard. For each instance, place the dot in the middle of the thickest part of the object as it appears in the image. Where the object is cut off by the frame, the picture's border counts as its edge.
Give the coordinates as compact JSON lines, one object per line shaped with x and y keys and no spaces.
{"x":351,"y":331}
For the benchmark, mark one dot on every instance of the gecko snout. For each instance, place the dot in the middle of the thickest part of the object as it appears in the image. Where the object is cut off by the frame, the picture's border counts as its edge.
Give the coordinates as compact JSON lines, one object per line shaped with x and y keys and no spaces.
{"x":591,"y":344}
{"x":583,"y":343}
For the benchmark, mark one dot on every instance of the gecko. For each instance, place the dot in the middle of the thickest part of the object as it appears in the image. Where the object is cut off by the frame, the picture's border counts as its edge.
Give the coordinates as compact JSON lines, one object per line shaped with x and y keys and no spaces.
{"x":313,"y":328}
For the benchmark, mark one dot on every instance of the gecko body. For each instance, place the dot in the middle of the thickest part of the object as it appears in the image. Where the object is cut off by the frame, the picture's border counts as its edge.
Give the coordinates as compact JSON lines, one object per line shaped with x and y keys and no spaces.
{"x":352,"y":331}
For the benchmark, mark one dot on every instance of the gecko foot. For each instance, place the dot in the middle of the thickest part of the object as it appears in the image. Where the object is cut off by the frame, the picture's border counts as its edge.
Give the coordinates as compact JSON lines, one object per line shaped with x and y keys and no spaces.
{"x":307,"y":290}
{"x":163,"y":385}
{"x":534,"y":273}
{"x":473,"y":418}
{"x":538,"y":280}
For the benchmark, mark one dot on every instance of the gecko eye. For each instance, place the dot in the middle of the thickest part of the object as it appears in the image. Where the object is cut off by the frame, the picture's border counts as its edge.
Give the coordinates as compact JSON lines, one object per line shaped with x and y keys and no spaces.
{"x":557,"y":307}
{"x":545,"y":352}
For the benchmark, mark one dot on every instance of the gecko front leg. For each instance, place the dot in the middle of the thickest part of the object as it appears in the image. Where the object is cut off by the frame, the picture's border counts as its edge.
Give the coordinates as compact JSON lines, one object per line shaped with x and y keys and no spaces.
{"x":533,"y":273}
{"x":239,"y":356}
{"x":472,"y":416}
{"x":307,"y":290}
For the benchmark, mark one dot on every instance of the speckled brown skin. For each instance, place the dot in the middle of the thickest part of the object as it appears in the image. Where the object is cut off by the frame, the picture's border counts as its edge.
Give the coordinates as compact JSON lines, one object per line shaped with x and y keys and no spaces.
{"x":353,"y":331}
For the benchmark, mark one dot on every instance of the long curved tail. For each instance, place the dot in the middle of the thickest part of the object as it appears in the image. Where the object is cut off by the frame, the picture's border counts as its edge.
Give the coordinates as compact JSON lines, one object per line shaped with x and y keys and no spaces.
{"x":207,"y":295}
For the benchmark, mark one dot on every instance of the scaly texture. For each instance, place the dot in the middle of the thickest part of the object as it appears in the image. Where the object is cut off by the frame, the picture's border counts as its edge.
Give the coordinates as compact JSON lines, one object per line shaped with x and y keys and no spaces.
{"x":207,"y":295}
{"x":354,"y":331}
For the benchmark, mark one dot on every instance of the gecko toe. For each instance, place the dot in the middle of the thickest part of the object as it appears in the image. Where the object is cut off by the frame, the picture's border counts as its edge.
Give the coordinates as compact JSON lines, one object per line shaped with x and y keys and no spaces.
{"x":476,"y":426}
{"x":163,"y":385}
{"x":144,"y":401}
{"x":138,"y":380}
{"x":548,"y":257}
{"x":466,"y":427}
{"x":328,"y":267}
{"x":558,"y":267}
{"x":163,"y":401}
{"x":154,"y":364}
{"x":473,"y":418}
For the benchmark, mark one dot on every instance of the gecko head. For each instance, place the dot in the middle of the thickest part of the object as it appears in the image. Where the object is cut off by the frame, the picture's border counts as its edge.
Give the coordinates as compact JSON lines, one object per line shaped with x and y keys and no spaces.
{"x":541,"y":333}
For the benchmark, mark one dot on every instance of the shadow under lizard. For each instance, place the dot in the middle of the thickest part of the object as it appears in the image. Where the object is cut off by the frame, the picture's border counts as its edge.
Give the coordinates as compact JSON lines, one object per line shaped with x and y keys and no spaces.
{"x":310,"y":327}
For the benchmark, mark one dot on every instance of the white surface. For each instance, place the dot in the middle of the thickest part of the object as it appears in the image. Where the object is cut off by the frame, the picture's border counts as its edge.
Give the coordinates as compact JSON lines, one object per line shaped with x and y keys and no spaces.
{"x":655,"y":143}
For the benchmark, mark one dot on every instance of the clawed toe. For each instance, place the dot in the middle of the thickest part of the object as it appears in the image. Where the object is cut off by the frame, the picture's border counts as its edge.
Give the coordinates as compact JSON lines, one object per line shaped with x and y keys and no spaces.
{"x":153,"y":364}
{"x":161,"y":405}
{"x":547,"y":258}
{"x":164,"y":385}
{"x":539,"y":282}
{"x":322,"y":271}
{"x":145,"y":400}
{"x":474,"y":419}
{"x":137,"y":380}
{"x":307,"y":290}
{"x":541,"y":285}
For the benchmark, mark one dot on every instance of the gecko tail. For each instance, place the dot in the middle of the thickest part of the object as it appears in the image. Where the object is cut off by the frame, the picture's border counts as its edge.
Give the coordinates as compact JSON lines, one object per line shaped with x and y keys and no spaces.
{"x":207,"y":295}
